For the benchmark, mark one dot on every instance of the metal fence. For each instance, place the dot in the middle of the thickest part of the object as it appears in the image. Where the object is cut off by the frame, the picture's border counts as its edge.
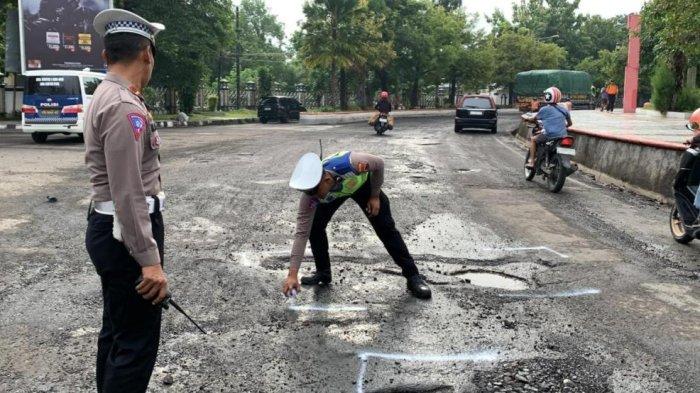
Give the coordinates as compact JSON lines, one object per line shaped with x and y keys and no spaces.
{"x":164,"y":100}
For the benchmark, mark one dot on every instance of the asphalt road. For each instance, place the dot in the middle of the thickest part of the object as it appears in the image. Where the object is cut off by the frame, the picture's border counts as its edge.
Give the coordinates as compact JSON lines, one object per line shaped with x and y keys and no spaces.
{"x":582,"y":291}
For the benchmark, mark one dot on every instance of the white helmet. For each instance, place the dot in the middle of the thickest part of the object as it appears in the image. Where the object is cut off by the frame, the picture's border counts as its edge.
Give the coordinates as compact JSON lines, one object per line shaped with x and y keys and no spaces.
{"x":552,"y":95}
{"x":307,"y":174}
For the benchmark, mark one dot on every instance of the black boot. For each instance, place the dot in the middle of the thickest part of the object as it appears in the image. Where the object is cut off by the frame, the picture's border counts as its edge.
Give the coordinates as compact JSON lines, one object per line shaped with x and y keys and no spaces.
{"x":418,"y":287}
{"x":318,"y":278}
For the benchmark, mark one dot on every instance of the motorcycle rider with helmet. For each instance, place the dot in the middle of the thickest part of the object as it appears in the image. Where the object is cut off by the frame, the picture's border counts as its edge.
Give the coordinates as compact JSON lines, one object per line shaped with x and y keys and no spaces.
{"x":382,"y":106}
{"x":694,"y":142}
{"x":555,"y":121}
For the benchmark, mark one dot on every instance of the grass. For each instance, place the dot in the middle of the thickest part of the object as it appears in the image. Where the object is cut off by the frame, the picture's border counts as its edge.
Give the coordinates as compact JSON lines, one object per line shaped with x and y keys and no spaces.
{"x":199,"y":116}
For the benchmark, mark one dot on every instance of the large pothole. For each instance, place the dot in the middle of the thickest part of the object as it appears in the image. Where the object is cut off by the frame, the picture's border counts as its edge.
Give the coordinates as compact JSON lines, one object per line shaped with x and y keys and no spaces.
{"x":495,"y":280}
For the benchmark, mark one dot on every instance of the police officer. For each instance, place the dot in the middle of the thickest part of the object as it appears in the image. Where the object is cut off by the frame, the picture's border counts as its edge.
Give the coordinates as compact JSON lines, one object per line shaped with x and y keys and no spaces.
{"x":326,"y":185}
{"x":125,"y":227}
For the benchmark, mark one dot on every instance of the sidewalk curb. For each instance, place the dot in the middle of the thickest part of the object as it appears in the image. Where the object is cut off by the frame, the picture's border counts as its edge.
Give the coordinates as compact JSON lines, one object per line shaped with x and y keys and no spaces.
{"x":204,"y":123}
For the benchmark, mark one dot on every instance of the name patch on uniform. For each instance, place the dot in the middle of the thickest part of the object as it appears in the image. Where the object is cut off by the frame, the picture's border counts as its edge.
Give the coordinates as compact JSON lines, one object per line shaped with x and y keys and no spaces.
{"x":138,"y":124}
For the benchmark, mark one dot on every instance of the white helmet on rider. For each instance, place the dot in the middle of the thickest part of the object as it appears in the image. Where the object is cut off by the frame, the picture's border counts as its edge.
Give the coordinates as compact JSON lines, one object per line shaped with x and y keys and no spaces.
{"x":552,"y":95}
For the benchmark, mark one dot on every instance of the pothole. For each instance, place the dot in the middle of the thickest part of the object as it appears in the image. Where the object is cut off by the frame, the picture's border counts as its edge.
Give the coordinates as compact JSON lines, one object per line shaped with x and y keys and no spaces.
{"x":494,"y":280}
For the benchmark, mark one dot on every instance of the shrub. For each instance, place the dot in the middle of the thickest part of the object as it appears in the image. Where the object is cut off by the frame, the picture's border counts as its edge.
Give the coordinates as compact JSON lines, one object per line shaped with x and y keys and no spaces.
{"x":688,"y":99}
{"x":149,"y":95}
{"x":663,"y":85}
{"x":212,"y":103}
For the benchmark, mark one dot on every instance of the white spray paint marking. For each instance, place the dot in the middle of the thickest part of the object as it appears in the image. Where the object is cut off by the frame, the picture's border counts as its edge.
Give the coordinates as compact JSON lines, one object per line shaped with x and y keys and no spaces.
{"x":330,"y":308}
{"x":520,"y":154}
{"x":271,"y":182}
{"x":481,"y":356}
{"x":540,"y":248}
{"x":570,"y":293}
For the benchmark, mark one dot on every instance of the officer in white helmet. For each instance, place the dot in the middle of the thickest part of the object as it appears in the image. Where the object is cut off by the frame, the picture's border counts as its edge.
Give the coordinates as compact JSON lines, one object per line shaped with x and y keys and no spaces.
{"x":325,"y":186}
{"x":125,"y":231}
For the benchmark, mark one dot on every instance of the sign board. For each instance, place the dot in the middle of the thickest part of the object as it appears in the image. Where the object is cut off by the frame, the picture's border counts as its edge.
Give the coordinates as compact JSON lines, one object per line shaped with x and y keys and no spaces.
{"x":58,"y":34}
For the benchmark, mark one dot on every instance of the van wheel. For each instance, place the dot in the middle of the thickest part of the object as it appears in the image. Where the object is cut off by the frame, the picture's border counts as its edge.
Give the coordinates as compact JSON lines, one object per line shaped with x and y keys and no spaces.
{"x":39,"y":137}
{"x":81,"y":138}
{"x":263,"y":120}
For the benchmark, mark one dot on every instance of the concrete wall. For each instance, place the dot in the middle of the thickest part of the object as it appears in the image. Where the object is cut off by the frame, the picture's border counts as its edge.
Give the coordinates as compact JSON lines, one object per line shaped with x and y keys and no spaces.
{"x":647,"y":166}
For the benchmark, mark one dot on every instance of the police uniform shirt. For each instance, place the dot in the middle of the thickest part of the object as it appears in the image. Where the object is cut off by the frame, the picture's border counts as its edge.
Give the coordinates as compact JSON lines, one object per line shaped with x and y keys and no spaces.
{"x":122,"y":159}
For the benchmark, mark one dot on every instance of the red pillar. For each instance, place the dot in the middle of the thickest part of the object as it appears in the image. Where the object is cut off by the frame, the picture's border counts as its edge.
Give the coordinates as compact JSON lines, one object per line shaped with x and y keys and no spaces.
{"x":632,"y":69}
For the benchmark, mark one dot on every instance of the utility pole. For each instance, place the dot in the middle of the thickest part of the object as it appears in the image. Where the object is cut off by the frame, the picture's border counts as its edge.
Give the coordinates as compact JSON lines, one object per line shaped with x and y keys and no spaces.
{"x":238,"y":61}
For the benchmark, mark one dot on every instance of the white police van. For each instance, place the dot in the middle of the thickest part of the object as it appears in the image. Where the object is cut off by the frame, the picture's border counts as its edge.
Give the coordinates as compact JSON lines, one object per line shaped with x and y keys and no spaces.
{"x":55,"y":101}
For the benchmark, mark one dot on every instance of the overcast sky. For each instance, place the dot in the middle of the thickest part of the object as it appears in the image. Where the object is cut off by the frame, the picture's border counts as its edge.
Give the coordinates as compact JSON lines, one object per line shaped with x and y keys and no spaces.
{"x":290,"y":12}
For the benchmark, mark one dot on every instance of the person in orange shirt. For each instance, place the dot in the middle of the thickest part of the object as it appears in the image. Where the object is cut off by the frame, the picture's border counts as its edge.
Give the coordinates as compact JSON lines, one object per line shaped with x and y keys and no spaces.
{"x":611,"y":90}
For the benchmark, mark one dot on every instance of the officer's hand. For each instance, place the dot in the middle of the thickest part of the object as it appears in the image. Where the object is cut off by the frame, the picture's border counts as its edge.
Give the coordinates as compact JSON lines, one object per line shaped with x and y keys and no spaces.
{"x":290,"y":283}
{"x":154,"y":286}
{"x":373,"y":206}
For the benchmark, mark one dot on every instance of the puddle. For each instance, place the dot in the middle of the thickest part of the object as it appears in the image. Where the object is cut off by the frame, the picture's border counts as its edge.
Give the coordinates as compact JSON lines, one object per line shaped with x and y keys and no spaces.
{"x":492,"y":280}
{"x":467,"y":170}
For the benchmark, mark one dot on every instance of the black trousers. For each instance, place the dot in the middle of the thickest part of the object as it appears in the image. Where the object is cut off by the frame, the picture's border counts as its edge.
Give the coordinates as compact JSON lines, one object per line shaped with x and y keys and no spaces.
{"x":611,"y":102}
{"x":383,"y":225}
{"x":128,"y":343}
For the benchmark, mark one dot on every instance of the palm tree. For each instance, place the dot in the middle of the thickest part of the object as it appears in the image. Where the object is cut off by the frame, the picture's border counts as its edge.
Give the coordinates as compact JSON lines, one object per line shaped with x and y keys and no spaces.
{"x":341,"y":35}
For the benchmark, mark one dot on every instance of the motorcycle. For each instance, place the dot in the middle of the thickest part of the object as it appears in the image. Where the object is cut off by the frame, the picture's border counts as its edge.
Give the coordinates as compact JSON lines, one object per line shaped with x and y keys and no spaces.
{"x":685,"y":187}
{"x":382,"y":124}
{"x":553,"y":158}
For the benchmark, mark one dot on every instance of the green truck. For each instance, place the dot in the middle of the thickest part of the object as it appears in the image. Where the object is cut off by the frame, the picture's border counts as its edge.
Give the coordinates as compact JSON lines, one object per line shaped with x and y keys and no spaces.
{"x":574,"y":85}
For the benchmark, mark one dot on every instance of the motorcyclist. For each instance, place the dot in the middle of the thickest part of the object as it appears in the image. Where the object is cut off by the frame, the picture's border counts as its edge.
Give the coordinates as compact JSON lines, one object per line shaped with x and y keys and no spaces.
{"x":694,"y":142}
{"x":555,"y":121}
{"x":382,"y":106}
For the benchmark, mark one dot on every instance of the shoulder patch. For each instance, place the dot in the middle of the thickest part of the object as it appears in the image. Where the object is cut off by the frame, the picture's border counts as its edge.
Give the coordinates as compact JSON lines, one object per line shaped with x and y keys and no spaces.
{"x":138,"y":124}
{"x":363,"y":166}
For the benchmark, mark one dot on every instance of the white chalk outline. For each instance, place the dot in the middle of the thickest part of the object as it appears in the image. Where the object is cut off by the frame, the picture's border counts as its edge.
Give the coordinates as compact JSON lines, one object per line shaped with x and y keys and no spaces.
{"x":477,"y":356}
{"x":568,"y":293}
{"x":539,"y":248}
{"x":327,"y":308}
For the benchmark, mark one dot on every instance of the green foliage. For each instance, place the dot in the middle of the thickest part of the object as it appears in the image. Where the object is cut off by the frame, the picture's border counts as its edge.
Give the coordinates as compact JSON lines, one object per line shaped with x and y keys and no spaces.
{"x":688,"y":99}
{"x":149,"y":95}
{"x":520,"y":51}
{"x":212,"y":103}
{"x":188,"y":50}
{"x":670,"y":31}
{"x":264,"y":82}
{"x":605,"y":66}
{"x":663,"y":87}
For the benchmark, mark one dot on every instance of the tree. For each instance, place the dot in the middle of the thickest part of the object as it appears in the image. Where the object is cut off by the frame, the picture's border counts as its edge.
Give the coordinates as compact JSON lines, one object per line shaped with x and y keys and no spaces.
{"x":187,"y":52}
{"x":520,"y":51}
{"x":449,"y":5}
{"x":338,"y":35}
{"x":606,"y":65}
{"x":670,"y":31}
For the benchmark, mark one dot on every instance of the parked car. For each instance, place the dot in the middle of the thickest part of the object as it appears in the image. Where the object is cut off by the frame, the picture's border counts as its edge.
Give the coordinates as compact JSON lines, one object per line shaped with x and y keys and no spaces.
{"x":476,"y":111}
{"x":54,"y":102}
{"x":279,"y":108}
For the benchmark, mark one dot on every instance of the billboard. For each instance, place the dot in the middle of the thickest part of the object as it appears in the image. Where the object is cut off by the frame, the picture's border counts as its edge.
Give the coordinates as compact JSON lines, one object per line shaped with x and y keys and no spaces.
{"x":58,"y":34}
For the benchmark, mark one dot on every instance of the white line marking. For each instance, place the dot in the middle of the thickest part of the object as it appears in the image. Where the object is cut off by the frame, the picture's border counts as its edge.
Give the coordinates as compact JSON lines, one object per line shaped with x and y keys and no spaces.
{"x":327,"y":308}
{"x":570,"y":293}
{"x":540,"y":248}
{"x":511,"y":148}
{"x":481,"y":356}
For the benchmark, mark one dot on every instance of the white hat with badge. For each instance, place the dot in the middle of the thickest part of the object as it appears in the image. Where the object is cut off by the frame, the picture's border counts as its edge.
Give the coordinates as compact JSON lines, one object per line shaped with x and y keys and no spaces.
{"x":115,"y":20}
{"x":308,"y":172}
